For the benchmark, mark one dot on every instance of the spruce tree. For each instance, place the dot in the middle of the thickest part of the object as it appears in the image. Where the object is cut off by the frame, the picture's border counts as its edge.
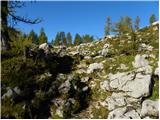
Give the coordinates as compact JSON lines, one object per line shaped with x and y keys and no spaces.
{"x":87,"y":38}
{"x":42,"y":37}
{"x":128,"y":22}
{"x":152,"y":19}
{"x":137,"y":23}
{"x":63,"y":38}
{"x":108,"y":26}
{"x":57,"y":39}
{"x":69,"y":39}
{"x":78,"y":39}
{"x":32,"y":37}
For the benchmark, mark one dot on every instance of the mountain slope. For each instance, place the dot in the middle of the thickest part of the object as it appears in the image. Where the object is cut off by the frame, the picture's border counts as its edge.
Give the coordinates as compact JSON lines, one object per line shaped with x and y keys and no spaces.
{"x":116,"y":77}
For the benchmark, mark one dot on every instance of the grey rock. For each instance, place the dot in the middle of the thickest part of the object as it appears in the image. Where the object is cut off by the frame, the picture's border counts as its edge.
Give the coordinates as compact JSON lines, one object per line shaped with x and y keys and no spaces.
{"x":145,"y":70}
{"x":150,"y":108}
{"x":156,"y":72}
{"x":98,"y":57}
{"x":147,"y":117}
{"x":84,"y":79}
{"x":11,"y":92}
{"x":155,"y":23}
{"x":85,"y":88}
{"x":134,"y":85}
{"x":94,"y":66}
{"x":123,"y":113}
{"x":45,"y":47}
{"x":87,"y":57}
{"x":105,"y":50}
{"x":115,"y":101}
{"x":145,"y":47}
{"x":17,"y":90}
{"x":65,"y":87}
{"x":105,"y":85}
{"x":140,"y":62}
{"x":73,"y":53}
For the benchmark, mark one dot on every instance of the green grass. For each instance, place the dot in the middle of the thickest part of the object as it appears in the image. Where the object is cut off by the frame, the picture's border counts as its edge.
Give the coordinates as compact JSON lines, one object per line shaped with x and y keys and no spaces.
{"x":127,"y":60}
{"x":100,"y":113}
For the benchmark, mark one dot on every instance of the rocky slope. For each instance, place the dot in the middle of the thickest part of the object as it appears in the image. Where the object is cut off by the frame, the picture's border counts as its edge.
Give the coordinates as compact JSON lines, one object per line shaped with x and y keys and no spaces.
{"x":116,"y":77}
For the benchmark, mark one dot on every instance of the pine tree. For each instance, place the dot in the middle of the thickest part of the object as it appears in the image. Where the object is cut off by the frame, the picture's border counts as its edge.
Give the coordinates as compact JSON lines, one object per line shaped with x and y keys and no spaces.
{"x":63,"y":38}
{"x":57,"y":39}
{"x":32,"y":37}
{"x":128,"y":22}
{"x":69,"y":39}
{"x":152,"y":19}
{"x":42,"y":37}
{"x":87,"y":38}
{"x":78,"y":39}
{"x":108,"y":26}
{"x":137,"y":23}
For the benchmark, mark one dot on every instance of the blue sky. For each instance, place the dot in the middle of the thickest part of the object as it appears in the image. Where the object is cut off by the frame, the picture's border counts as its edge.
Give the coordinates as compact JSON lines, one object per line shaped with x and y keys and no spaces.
{"x":83,"y":17}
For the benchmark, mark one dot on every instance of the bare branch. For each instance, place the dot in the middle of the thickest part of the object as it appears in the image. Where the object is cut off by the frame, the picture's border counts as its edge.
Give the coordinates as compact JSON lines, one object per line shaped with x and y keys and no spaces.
{"x":25,"y":20}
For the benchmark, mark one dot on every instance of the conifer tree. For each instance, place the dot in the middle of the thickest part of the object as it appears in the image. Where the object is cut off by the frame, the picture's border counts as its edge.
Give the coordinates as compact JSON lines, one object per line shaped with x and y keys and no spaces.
{"x":42,"y":37}
{"x":69,"y":39}
{"x":9,"y":10}
{"x":152,"y":19}
{"x":108,"y":26}
{"x":87,"y":38}
{"x":63,"y":38}
{"x":57,"y":39}
{"x":78,"y":39}
{"x":137,"y":23}
{"x":32,"y":37}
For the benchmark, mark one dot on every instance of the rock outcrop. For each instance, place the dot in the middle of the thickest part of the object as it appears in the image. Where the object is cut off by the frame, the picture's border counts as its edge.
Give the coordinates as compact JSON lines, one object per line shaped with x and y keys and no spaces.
{"x":112,"y":78}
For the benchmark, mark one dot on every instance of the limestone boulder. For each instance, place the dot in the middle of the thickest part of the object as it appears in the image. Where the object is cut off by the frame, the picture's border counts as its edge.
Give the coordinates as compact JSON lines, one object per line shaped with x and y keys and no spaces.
{"x":134,"y":85}
{"x":123,"y":113}
{"x":150,"y":108}
{"x":105,"y":50}
{"x":140,"y":61}
{"x":45,"y":47}
{"x":94,"y":66}
{"x":156,"y":72}
{"x":116,"y":100}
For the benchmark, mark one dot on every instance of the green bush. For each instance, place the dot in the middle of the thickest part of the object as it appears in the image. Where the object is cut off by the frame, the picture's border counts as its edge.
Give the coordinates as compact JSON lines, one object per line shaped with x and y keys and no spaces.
{"x":18,"y":71}
{"x":7,"y":54}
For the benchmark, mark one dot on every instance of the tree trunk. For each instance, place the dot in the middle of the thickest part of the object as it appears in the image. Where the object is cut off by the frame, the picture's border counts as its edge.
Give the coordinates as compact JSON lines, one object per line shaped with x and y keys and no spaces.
{"x":4,"y":30}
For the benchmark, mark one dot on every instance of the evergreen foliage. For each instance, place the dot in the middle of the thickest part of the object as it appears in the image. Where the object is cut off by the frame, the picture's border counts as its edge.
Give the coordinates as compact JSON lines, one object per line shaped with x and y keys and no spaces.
{"x":108,"y":26}
{"x":42,"y":37}
{"x":63,"y":38}
{"x":87,"y":38}
{"x":78,"y":39}
{"x":152,"y":19}
{"x":32,"y":37}
{"x":57,"y":39}
{"x":137,"y":23}
{"x":69,"y":39}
